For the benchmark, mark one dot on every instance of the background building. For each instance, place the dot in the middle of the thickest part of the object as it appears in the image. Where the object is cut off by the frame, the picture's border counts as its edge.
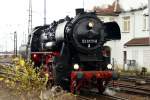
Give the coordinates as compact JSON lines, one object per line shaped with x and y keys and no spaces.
{"x":133,"y":50}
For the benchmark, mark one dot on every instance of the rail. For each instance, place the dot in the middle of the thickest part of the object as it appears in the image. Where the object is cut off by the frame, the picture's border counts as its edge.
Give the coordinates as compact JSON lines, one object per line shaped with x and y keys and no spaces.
{"x":131,"y":88}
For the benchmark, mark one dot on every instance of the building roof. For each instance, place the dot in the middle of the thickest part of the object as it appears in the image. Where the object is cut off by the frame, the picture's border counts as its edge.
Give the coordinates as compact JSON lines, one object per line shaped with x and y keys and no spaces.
{"x":136,"y":9}
{"x":116,"y":8}
{"x":111,"y":10}
{"x":138,"y":42}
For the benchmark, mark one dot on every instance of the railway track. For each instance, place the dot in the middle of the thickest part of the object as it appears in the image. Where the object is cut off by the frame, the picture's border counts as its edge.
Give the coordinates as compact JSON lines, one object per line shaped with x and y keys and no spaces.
{"x":99,"y":97}
{"x":6,"y":63}
{"x":132,"y":89}
{"x":78,"y":97}
{"x":94,"y":95}
{"x":135,"y":78}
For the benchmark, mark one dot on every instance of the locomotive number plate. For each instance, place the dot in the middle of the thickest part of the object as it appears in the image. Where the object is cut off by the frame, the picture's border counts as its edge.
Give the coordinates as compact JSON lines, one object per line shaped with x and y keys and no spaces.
{"x":89,"y":41}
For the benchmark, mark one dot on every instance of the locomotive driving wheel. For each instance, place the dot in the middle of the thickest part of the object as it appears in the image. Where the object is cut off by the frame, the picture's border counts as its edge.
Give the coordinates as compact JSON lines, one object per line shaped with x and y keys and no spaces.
{"x":101,"y":85}
{"x":54,"y":73}
{"x":75,"y":86}
{"x":50,"y":82}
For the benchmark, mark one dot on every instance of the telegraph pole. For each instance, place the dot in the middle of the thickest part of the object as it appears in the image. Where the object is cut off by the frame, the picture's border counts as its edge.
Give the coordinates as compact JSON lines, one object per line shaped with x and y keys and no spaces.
{"x":149,"y":18}
{"x":15,"y":44}
{"x":83,"y":4}
{"x":6,"y":46}
{"x":44,"y":12}
{"x":25,"y":38}
{"x":30,"y":17}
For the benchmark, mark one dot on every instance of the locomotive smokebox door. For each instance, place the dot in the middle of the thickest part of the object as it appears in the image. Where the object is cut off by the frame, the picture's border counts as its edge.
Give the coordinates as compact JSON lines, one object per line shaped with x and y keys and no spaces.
{"x":88,"y":32}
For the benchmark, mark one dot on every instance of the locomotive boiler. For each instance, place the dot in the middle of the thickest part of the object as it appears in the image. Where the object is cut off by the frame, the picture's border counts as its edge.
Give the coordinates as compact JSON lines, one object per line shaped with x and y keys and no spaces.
{"x":72,"y":51}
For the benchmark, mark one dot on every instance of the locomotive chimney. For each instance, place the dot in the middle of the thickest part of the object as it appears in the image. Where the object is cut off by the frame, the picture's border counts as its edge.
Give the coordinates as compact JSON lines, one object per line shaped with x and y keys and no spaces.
{"x":79,"y":11}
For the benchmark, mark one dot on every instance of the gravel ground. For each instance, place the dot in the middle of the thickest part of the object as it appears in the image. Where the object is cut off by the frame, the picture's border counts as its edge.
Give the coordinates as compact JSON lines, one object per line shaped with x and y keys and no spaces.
{"x":132,"y":97}
{"x":7,"y":94}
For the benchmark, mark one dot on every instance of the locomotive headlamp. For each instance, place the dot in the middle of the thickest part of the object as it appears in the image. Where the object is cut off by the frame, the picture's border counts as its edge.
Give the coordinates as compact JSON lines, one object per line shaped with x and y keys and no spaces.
{"x":109,"y":66}
{"x":49,"y":44}
{"x":34,"y":55}
{"x":91,"y":24}
{"x":76,"y":66}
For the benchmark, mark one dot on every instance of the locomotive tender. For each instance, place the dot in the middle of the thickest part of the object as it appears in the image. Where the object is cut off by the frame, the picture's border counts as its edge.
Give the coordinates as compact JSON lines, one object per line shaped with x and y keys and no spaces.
{"x":72,"y":50}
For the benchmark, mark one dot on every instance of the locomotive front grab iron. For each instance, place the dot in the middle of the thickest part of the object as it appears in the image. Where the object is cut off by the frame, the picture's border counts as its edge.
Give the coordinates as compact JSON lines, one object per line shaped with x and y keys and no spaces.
{"x":72,"y":50}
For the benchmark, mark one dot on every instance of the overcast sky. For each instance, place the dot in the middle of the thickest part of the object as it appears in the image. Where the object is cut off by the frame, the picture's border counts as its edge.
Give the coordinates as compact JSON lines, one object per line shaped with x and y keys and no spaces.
{"x":14,"y":15}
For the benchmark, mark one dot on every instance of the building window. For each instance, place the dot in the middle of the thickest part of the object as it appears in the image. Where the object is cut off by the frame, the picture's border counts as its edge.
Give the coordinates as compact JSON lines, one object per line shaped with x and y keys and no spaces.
{"x":125,"y":57}
{"x":145,"y":23}
{"x":126,"y":24}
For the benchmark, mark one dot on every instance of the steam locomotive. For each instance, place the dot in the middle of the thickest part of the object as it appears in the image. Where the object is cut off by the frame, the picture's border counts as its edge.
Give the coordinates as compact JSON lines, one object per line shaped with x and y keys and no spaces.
{"x":72,"y":51}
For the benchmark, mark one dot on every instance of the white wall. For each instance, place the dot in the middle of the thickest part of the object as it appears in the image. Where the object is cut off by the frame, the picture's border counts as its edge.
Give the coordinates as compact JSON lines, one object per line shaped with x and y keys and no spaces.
{"x":139,"y":25}
{"x":136,"y":31}
{"x":142,"y":55}
{"x":116,"y":51}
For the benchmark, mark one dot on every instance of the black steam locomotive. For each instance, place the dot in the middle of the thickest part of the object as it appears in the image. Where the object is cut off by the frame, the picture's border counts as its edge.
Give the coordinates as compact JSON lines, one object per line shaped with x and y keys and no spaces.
{"x":72,"y":50}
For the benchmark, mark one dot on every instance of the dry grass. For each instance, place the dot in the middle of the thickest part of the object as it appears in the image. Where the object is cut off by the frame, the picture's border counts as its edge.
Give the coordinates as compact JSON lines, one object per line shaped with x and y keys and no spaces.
{"x":21,"y":81}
